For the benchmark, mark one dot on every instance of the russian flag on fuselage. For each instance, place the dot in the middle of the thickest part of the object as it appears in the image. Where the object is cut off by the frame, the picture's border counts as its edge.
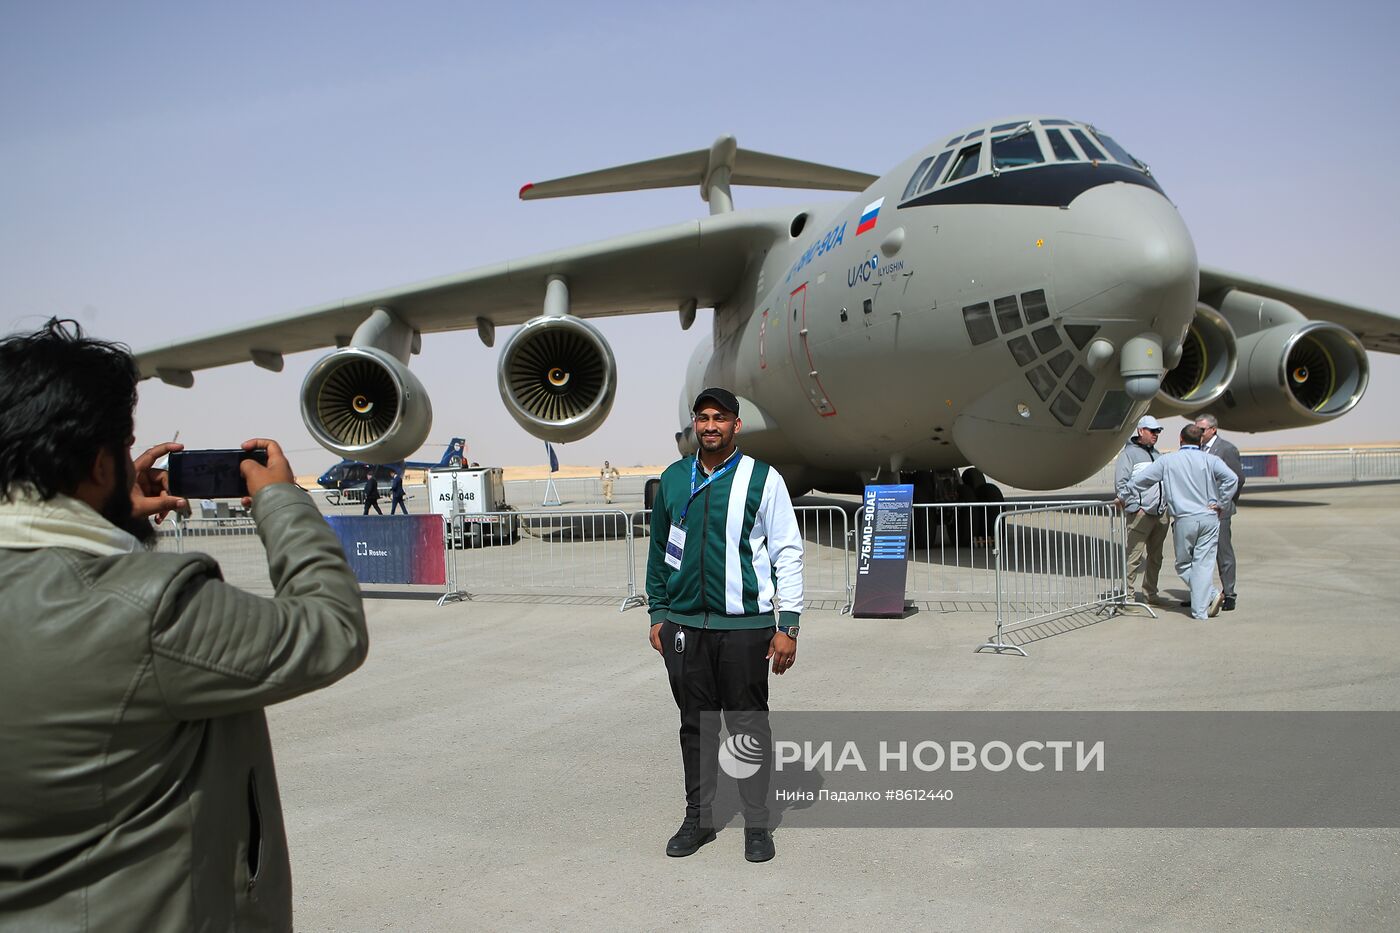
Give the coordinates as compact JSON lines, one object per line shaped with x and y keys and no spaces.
{"x":869,"y":215}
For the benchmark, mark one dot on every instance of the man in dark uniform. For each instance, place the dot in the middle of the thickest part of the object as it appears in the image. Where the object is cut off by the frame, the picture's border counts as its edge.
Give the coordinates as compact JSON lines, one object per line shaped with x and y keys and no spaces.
{"x":724,"y":588}
{"x":396,"y":495}
{"x":372,"y":490}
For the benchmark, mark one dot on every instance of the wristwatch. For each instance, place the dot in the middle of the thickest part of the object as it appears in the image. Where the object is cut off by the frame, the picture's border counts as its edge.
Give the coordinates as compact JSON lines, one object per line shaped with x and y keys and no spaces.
{"x":789,"y":630}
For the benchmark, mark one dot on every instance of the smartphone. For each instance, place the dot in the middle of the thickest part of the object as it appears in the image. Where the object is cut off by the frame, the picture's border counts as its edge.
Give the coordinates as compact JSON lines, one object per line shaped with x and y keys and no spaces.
{"x":210,"y":474}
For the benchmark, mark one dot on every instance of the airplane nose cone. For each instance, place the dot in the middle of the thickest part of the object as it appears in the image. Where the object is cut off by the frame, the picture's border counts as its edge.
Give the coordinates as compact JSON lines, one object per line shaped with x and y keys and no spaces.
{"x":1124,"y":278}
{"x":1123,"y":253}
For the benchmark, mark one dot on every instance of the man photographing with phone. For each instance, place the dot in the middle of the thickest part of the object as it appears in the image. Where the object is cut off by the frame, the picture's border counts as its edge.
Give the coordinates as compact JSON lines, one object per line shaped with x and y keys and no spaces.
{"x":137,"y":787}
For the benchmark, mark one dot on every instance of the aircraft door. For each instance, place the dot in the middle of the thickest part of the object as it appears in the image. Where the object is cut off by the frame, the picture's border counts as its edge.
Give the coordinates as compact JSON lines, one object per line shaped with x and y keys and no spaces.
{"x":800,"y":352}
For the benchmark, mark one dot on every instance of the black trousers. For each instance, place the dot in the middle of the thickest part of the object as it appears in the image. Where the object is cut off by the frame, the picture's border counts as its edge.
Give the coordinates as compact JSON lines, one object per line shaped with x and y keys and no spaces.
{"x":397,"y":504}
{"x":373,"y":504}
{"x":720,"y":670}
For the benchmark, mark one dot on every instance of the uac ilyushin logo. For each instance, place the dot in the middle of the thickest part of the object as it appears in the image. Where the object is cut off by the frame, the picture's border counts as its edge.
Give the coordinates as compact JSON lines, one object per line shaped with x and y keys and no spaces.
{"x":741,"y":756}
{"x":870,"y":268}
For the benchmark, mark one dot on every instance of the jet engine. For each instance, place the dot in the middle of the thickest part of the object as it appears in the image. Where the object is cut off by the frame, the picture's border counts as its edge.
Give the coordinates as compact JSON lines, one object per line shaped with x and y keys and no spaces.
{"x":1208,"y":362}
{"x":558,"y":377}
{"x":1293,"y":375}
{"x":363,"y":404}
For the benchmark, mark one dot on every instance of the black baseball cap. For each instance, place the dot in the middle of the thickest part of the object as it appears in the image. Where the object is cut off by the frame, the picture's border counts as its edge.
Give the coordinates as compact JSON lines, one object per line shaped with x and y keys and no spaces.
{"x":724,"y":397}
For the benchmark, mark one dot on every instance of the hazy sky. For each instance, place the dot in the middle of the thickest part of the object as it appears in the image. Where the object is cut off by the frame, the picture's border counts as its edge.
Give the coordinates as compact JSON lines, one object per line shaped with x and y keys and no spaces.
{"x":167,"y":169}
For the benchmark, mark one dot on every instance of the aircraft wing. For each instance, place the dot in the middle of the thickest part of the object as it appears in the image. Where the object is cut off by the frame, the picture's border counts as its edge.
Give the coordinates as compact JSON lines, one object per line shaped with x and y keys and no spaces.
{"x":654,"y":270}
{"x":1375,"y":329}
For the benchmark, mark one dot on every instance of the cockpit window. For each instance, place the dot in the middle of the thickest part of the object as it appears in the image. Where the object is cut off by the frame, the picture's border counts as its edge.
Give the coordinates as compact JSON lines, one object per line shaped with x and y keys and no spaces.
{"x":973,"y":135}
{"x":931,"y":178}
{"x":1117,"y":151}
{"x":954,"y":141}
{"x":1055,"y":123}
{"x":1003,"y":127}
{"x":1089,"y":148}
{"x":914,"y":179}
{"x":1016,"y":150}
{"x":925,"y":177}
{"x":967,"y":162}
{"x":1064,"y":152}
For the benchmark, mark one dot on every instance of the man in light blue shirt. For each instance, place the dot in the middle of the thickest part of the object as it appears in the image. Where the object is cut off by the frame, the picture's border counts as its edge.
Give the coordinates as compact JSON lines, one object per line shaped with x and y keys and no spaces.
{"x":1195,"y":485}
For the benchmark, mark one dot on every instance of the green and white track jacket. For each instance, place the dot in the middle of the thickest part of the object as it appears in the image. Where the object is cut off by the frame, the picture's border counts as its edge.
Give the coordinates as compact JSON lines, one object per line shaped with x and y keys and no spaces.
{"x":743,"y":548}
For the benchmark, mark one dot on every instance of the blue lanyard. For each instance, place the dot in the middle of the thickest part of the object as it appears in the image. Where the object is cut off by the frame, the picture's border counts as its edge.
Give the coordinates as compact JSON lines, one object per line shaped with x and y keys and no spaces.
{"x":724,"y":468}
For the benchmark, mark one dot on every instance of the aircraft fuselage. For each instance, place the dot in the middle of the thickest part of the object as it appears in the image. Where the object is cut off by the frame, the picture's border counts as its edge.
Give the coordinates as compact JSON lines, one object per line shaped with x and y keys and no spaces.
{"x":976,"y":322}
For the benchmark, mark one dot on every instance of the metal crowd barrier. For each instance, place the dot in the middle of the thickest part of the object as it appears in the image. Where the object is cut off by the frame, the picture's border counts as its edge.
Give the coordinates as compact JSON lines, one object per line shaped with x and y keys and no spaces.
{"x":952,"y":557}
{"x":554,"y":553}
{"x":1369,"y":465}
{"x":233,"y":542}
{"x":603,"y":552}
{"x":529,"y":493}
{"x":826,"y":553}
{"x":1056,"y":560}
{"x":1037,"y":559}
{"x":1353,"y":464}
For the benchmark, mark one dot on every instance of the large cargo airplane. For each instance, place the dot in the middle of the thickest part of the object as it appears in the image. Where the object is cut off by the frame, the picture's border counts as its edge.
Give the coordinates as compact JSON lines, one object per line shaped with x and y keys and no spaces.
{"x":1012,"y":296}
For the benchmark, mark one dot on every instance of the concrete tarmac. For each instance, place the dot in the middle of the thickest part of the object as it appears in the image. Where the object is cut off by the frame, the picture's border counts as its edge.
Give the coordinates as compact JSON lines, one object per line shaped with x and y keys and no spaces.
{"x":508,"y":764}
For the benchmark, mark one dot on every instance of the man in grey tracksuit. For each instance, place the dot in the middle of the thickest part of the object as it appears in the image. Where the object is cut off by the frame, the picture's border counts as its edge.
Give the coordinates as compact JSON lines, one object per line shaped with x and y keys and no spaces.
{"x":1195,"y":486}
{"x":1146,"y":512}
{"x":1213,"y":443}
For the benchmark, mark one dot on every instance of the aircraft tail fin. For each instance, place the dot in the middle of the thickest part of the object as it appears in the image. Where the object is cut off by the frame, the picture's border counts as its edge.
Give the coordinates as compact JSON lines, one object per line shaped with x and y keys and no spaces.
{"x":713,"y":170}
{"x":457,"y":447}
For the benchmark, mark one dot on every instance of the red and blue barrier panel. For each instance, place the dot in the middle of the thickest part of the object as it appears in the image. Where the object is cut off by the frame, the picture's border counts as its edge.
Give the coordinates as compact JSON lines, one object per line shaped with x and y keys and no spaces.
{"x":1260,"y":465}
{"x":393,"y":548}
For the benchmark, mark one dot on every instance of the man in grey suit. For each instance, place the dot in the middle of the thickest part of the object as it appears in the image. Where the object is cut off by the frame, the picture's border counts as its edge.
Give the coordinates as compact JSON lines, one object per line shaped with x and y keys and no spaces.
{"x":1213,"y":443}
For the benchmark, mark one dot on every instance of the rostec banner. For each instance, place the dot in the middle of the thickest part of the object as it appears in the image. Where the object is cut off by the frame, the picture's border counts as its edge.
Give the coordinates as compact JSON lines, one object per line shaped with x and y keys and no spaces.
{"x":881,"y":567}
{"x":393,"y":548}
{"x":1259,"y":465}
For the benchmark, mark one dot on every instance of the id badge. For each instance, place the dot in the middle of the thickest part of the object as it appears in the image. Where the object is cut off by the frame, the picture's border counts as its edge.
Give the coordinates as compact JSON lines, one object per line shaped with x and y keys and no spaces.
{"x":675,"y":547}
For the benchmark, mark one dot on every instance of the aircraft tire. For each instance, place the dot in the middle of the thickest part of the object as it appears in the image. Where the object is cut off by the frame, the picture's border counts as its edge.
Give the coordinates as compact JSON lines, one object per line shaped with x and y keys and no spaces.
{"x":507,"y":530}
{"x":957,"y":521}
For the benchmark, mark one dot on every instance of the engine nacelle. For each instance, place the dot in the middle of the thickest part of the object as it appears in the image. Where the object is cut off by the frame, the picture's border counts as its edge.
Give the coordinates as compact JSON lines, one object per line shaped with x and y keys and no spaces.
{"x":1295,"y":374}
{"x":363,"y":404}
{"x":558,"y":377}
{"x":1209,"y":358}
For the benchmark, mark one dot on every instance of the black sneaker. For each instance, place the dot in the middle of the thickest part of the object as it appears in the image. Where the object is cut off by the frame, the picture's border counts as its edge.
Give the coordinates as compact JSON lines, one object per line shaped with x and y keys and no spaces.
{"x":1229,"y":604}
{"x":1185,"y":604}
{"x":758,"y":845}
{"x":689,"y":838}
